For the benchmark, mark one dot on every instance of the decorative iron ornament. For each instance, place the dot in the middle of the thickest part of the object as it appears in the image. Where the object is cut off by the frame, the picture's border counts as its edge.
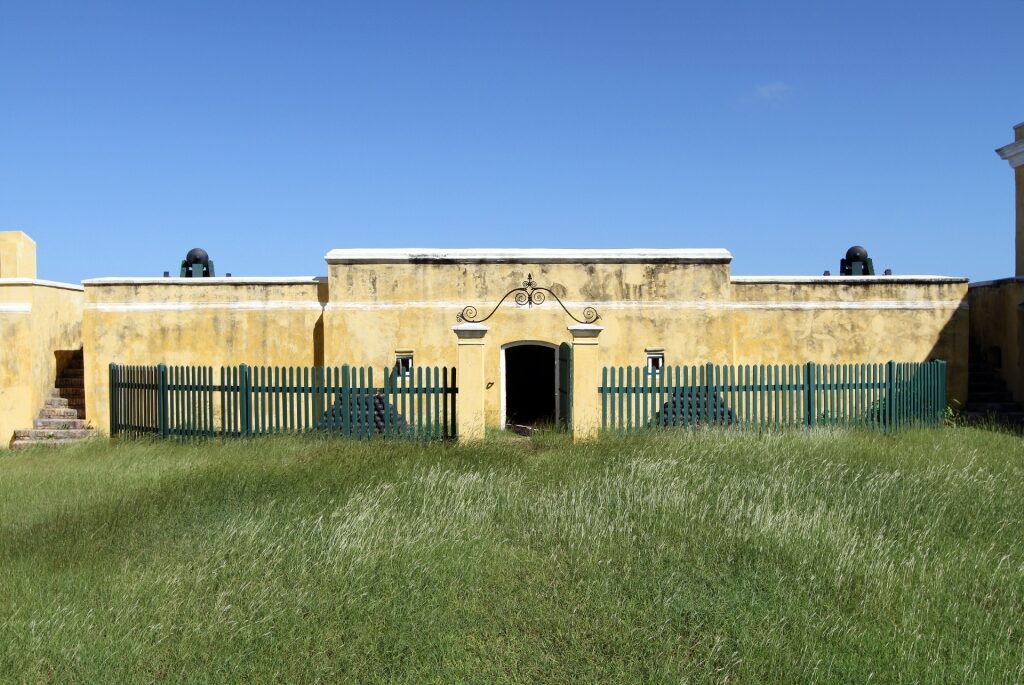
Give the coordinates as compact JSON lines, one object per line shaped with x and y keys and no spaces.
{"x":528,"y":295}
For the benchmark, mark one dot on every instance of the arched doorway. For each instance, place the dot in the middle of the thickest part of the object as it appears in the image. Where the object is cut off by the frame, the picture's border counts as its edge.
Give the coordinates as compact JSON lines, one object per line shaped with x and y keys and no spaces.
{"x":529,"y":384}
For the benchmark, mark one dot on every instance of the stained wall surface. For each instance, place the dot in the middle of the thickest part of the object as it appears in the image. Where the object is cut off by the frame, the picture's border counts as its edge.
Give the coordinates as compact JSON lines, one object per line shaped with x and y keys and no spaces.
{"x":38,"y":320}
{"x":377,"y":304}
{"x":385,"y":302}
{"x":198,"y":321}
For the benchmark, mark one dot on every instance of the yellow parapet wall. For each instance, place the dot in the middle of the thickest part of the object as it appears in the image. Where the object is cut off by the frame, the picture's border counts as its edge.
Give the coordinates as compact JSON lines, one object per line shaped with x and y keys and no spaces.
{"x":683,"y":303}
{"x":378,"y":305}
{"x":838,"y":320}
{"x":198,"y":321}
{"x":39,"y":320}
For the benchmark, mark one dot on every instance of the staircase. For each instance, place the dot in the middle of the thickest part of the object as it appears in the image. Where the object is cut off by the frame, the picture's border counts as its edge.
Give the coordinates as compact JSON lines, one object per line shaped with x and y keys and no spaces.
{"x":62,"y":419}
{"x":988,"y":399}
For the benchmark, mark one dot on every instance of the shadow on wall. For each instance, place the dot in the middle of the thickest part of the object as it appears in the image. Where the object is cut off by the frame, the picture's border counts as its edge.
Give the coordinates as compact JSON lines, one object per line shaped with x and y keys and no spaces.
{"x":62,"y":358}
{"x":323,"y":295}
{"x":952,"y":347}
{"x":318,"y":341}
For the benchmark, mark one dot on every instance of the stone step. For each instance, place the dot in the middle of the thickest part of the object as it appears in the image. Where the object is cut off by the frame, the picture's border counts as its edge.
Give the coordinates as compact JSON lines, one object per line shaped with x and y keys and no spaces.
{"x":55,"y":402}
{"x":58,"y":413}
{"x":58,"y":423}
{"x":28,"y":444}
{"x":78,"y":379}
{"x":70,"y":392}
{"x":52,"y":434}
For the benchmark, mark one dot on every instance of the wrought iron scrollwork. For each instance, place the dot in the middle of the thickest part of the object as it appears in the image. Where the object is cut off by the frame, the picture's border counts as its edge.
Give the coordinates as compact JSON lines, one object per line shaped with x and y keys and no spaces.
{"x":527,"y":295}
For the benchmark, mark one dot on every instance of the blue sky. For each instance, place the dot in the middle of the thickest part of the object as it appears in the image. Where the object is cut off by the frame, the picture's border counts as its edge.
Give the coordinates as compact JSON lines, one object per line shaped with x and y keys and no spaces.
{"x":269,"y":133}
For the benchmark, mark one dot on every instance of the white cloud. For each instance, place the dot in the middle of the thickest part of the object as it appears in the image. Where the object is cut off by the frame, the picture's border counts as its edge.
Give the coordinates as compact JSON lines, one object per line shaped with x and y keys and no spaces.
{"x":774,"y":93}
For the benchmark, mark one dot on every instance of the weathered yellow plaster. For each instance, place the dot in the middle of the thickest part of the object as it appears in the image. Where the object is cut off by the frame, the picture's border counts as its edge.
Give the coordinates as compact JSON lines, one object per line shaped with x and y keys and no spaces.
{"x":37,"y":320}
{"x":367,"y":310}
{"x":696,"y":312}
{"x":17,"y":255}
{"x":201,"y":321}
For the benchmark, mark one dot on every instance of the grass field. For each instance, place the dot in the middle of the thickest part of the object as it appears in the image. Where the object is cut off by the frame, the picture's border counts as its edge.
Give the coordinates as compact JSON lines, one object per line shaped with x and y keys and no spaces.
{"x":697,"y":557}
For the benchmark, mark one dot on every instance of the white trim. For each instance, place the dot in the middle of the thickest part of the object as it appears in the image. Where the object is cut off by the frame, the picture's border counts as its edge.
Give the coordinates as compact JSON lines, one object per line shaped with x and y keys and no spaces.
{"x":255,"y":305}
{"x":867,"y":305}
{"x":520,"y":343}
{"x":701,"y":305}
{"x":1013,"y":153}
{"x":470,"y":331}
{"x":848,"y":280}
{"x":432,"y":255}
{"x":584,"y":331}
{"x":215,"y":280}
{"x":41,"y":283}
{"x":15,"y":307}
{"x":996,"y":282}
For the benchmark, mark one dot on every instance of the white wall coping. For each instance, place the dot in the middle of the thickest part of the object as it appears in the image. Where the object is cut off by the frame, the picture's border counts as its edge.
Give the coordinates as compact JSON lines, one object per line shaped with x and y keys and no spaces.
{"x":847,"y":280}
{"x":996,"y":282}
{"x":41,"y":283}
{"x":526,"y":256}
{"x":1013,"y":153}
{"x":214,"y":280}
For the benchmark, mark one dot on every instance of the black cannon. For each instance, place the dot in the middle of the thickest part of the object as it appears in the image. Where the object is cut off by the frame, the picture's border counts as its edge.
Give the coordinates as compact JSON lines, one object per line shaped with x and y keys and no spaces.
{"x":197,"y":264}
{"x":857,"y":263}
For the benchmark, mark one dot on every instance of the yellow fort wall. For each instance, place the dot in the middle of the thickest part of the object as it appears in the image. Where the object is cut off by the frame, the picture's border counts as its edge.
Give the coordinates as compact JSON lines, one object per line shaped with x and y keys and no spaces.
{"x":38,"y":320}
{"x":207,"y":321}
{"x":377,"y":303}
{"x":683,"y":301}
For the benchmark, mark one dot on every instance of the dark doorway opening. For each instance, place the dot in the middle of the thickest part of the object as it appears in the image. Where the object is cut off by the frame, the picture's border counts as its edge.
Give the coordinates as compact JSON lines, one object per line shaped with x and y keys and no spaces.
{"x":530,"y":390}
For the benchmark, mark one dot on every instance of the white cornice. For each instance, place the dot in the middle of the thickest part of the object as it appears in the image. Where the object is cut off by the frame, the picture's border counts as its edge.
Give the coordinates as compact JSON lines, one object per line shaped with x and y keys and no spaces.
{"x":40,"y":283}
{"x":845,"y":280}
{"x":1013,"y":153}
{"x":527,"y":256}
{"x":996,"y":282}
{"x":216,"y":280}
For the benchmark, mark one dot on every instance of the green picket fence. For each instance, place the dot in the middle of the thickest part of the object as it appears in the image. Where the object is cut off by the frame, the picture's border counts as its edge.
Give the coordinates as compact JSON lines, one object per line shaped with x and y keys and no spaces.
{"x":243,"y":401}
{"x":883,"y":396}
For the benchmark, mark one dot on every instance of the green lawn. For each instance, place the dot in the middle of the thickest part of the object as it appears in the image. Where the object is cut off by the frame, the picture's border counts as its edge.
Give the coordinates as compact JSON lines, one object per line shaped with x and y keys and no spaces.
{"x":695,"y":557}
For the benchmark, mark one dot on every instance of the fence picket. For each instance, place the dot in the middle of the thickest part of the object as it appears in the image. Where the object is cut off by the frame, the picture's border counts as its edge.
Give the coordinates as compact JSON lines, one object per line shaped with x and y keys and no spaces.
{"x":880,"y":396}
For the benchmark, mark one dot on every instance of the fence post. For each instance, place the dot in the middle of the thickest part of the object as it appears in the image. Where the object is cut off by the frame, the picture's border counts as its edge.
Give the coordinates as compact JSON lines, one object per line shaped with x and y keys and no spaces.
{"x":942,"y":389}
{"x":890,"y":395}
{"x":112,"y":391}
{"x":245,"y":400}
{"x":810,"y":410}
{"x":161,"y":400}
{"x":709,"y":384}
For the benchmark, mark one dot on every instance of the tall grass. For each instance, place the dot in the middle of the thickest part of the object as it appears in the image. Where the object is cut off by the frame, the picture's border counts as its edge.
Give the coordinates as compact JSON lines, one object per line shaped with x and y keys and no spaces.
{"x":714,"y":556}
